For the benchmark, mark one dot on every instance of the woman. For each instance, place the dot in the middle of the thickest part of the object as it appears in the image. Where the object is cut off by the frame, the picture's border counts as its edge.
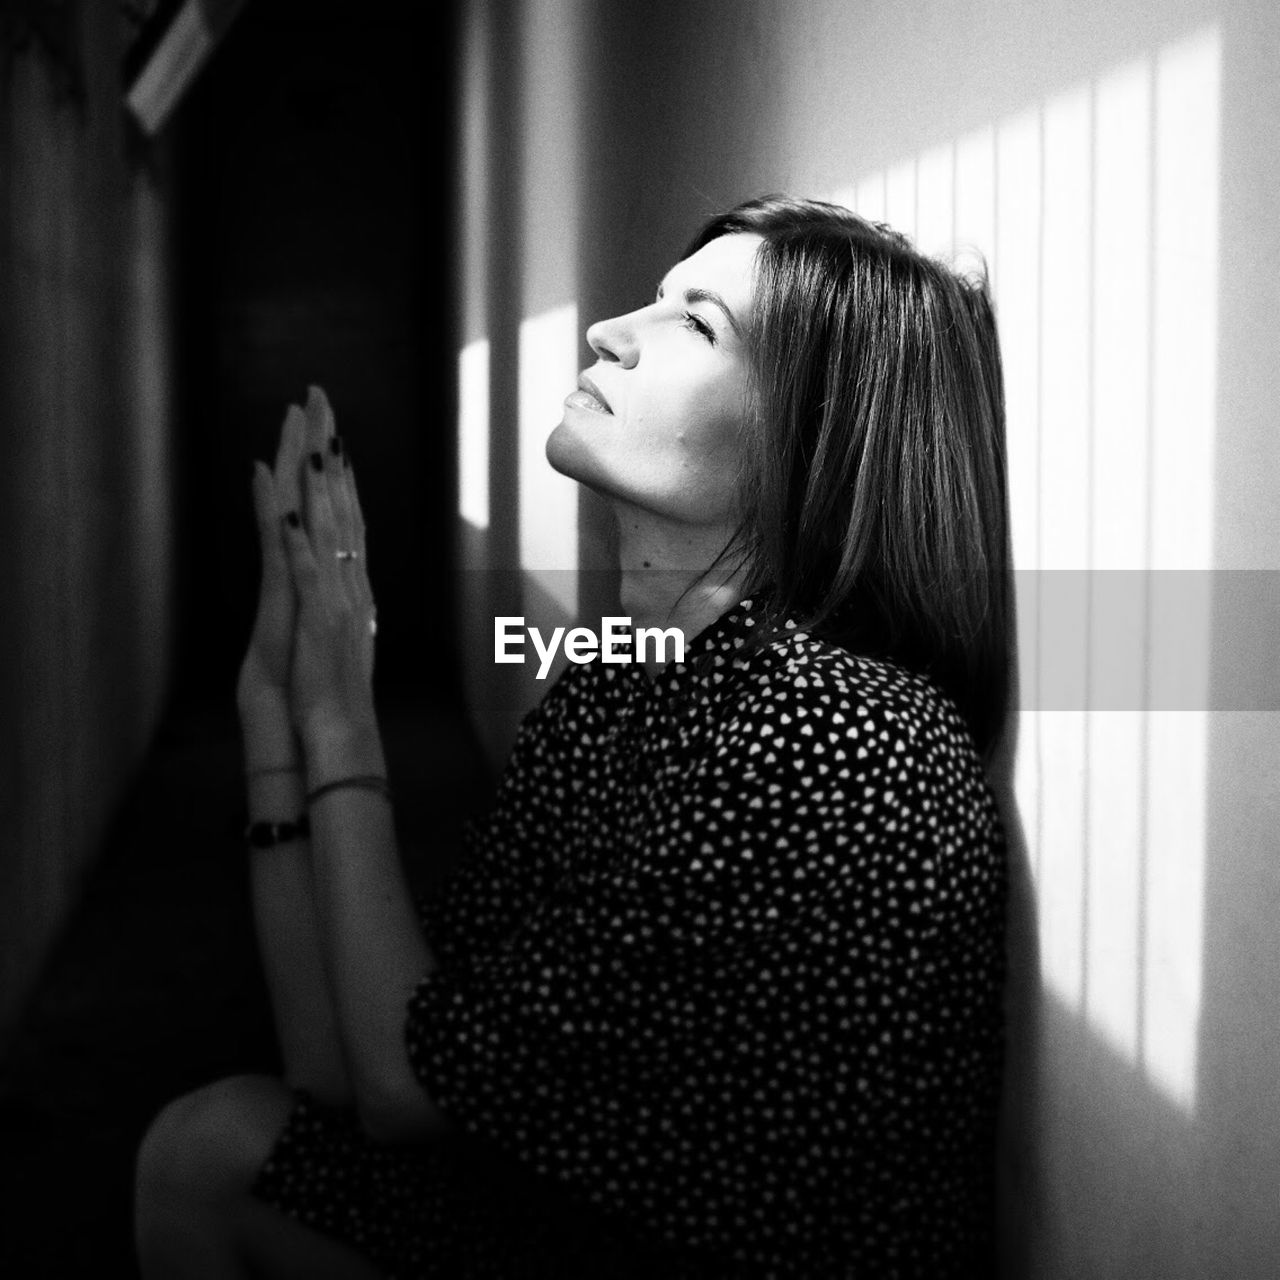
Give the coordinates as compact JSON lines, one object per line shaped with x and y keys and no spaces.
{"x":717,"y":989}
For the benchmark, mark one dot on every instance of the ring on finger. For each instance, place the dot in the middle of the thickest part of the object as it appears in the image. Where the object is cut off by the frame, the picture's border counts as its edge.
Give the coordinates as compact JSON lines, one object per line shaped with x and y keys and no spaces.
{"x":347,"y":555}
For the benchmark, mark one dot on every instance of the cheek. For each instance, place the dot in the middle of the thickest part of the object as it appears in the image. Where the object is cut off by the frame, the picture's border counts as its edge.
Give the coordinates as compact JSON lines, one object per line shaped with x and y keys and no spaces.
{"x":705,"y":423}
{"x":717,"y":438}
{"x":711,"y":469}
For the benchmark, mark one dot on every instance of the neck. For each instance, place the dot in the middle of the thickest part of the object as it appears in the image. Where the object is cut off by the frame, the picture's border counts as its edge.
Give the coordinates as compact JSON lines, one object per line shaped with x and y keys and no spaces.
{"x":665,"y":582}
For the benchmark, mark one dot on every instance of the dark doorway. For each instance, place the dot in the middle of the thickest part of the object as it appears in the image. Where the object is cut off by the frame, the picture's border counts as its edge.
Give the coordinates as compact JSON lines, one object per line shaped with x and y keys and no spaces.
{"x":315,"y":247}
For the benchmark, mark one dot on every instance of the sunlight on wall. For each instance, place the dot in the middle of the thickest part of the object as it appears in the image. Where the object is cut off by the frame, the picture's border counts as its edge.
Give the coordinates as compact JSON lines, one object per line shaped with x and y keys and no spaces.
{"x":473,"y":433}
{"x":1184,"y":388}
{"x":548,"y":501}
{"x":472,"y":265}
{"x":1096,"y":213}
{"x":518,"y":64}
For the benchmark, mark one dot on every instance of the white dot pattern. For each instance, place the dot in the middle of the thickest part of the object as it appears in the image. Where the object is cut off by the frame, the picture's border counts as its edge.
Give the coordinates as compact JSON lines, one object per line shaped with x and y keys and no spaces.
{"x":725,"y":964}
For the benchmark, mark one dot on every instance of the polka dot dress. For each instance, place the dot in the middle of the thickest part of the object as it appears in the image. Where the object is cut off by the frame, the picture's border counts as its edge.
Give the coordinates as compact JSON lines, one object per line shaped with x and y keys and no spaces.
{"x":719,"y":990}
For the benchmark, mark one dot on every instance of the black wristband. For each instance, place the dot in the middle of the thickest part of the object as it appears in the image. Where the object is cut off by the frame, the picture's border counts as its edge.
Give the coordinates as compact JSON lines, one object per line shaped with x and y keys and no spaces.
{"x":264,"y":835}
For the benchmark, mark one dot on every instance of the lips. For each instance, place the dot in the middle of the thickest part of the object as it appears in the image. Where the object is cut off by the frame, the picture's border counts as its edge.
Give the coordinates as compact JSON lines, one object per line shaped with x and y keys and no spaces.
{"x":589,"y":396}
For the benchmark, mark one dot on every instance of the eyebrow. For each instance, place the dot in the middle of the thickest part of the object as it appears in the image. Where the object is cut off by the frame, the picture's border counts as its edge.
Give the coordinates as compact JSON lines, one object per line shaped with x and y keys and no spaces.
{"x":709,"y":295}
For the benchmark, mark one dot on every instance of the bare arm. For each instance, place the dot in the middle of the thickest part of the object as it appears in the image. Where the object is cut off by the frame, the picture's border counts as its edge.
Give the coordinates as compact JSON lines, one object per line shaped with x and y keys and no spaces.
{"x":288,"y":943}
{"x":367,"y":933}
{"x":280,"y":877}
{"x":374,"y":948}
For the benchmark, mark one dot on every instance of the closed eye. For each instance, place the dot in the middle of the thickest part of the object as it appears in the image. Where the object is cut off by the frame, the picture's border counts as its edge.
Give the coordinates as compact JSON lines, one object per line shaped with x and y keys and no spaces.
{"x":699,"y":325}
{"x":693,"y":296}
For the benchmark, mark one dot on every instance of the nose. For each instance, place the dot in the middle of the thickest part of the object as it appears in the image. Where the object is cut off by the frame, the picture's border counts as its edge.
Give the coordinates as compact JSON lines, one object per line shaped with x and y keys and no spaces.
{"x":615,"y":341}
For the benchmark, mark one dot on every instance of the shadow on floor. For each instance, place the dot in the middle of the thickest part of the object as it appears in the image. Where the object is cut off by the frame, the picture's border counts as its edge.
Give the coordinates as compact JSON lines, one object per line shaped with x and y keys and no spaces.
{"x":155,"y":988}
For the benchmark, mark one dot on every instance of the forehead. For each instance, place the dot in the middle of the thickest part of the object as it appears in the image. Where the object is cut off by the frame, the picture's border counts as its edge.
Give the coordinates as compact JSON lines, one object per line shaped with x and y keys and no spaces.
{"x":725,"y":265}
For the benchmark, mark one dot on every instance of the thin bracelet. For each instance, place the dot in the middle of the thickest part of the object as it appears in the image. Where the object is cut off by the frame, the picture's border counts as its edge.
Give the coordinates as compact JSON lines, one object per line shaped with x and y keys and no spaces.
{"x":365,"y":781}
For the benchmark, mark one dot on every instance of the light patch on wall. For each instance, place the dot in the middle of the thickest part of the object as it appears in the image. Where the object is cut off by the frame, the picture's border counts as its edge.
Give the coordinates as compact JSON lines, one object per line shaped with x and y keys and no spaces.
{"x":1014,"y":262}
{"x":1183,"y":390}
{"x":473,"y":433}
{"x":548,"y":501}
{"x":474,"y":177}
{"x":472,"y":266}
{"x":1119,"y":487}
{"x":1096,"y":212}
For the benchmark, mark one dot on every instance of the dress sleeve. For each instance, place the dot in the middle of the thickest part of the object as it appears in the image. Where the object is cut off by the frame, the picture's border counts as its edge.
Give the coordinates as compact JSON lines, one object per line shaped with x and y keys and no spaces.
{"x":708,"y":1031}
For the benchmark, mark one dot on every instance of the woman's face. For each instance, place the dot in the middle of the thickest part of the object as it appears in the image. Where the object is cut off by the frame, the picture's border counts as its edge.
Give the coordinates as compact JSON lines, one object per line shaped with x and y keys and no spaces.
{"x":656,"y":420}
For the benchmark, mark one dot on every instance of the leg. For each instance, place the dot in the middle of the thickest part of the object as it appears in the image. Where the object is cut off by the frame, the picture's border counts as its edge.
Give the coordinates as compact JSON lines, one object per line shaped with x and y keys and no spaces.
{"x":194,"y":1215}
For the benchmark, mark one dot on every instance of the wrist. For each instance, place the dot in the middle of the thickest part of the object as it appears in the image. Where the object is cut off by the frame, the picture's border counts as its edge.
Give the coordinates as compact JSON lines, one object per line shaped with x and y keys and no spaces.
{"x":268,"y":738}
{"x":335,"y":749}
{"x":257,"y":693}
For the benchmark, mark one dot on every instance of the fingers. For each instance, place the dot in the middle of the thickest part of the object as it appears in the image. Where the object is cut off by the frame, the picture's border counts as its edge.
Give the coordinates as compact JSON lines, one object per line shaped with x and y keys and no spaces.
{"x":323,"y":597}
{"x":302,"y":561}
{"x":312,"y":452}
{"x":264,"y":507}
{"x":314,"y":448}
{"x":319,"y":419}
{"x":353,"y":538}
{"x":317,"y":481}
{"x":314,"y":478}
{"x":363,"y":598}
{"x":264,"y":498}
{"x":348,"y":522}
{"x":288,"y":462}
{"x":338,"y":472}
{"x":275,"y":565}
{"x":322,"y":528}
{"x":325,"y":483}
{"x":356,"y":514}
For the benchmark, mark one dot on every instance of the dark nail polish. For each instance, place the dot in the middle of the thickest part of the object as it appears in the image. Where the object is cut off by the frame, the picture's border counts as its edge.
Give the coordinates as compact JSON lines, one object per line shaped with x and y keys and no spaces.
{"x":335,"y":446}
{"x":292,"y":520}
{"x":317,"y":462}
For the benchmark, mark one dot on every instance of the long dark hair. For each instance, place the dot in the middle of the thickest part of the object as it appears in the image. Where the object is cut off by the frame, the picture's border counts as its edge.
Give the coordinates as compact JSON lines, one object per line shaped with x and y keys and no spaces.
{"x":873,"y":486}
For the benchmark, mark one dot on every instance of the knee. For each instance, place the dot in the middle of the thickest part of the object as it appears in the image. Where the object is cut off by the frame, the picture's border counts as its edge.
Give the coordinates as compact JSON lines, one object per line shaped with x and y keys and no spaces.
{"x":208,"y":1145}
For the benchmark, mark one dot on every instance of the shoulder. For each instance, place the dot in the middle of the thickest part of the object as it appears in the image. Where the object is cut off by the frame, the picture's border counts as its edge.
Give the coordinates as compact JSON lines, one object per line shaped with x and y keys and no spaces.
{"x":878,"y":749}
{"x":808,"y":693}
{"x":861,"y":737}
{"x":819,"y":777}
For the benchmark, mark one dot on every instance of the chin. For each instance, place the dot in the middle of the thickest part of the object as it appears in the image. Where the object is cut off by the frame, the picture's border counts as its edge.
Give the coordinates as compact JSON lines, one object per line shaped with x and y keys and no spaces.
{"x":562,"y":450}
{"x":573,"y":456}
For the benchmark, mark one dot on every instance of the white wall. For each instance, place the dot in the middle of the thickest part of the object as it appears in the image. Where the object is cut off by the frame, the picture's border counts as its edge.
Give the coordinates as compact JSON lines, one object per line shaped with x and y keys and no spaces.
{"x":1118,"y":166}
